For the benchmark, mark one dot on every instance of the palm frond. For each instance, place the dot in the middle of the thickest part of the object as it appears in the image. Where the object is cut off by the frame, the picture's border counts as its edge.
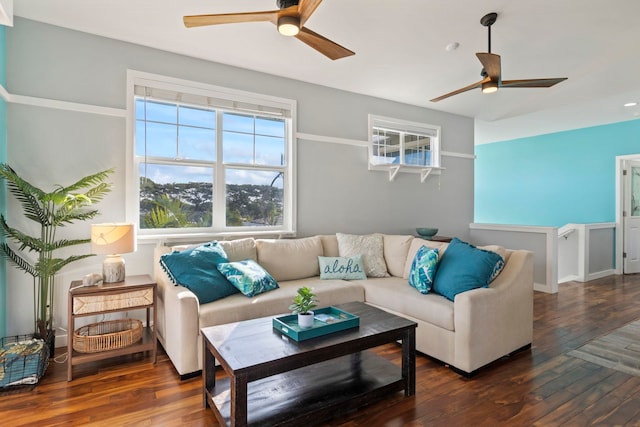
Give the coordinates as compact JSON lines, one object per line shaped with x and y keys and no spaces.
{"x":52,"y":266}
{"x":98,"y":192}
{"x":29,"y":196}
{"x":61,"y":217}
{"x":96,"y":179}
{"x":23,"y":240}
{"x":8,"y":253}
{"x":64,"y":243}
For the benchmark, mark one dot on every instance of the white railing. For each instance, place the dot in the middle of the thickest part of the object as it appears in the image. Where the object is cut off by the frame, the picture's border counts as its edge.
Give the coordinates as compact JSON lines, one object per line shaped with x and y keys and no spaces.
{"x":579,"y":252}
{"x":542,"y":241}
{"x":586,"y":251}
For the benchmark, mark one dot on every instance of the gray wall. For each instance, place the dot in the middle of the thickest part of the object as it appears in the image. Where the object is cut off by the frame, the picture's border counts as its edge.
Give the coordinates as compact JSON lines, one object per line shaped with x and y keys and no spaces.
{"x":335,"y":190}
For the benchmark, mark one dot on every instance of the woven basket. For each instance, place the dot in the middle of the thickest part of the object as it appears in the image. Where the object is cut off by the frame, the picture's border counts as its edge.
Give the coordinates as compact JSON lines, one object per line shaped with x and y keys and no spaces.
{"x":109,"y":335}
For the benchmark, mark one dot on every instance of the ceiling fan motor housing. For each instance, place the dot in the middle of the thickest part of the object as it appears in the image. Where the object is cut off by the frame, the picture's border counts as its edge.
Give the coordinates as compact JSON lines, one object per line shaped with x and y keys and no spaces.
{"x":283,"y":4}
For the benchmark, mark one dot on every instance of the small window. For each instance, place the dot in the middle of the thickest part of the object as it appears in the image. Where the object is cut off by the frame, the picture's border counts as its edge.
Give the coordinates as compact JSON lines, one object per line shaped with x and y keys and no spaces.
{"x":395,"y":143}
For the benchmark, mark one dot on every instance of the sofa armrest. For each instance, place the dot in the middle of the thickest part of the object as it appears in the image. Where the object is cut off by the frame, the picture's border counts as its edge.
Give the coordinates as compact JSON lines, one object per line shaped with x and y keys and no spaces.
{"x":493,"y":322}
{"x":178,"y":320}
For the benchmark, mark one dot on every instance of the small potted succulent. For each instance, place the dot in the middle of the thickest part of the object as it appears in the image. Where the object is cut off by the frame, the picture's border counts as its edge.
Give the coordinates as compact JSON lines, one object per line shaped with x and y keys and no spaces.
{"x":303,"y":304}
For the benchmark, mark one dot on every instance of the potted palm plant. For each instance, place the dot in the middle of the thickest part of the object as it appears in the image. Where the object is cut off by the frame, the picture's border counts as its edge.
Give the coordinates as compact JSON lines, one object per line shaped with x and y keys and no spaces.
{"x":303,"y":303}
{"x":50,"y":210}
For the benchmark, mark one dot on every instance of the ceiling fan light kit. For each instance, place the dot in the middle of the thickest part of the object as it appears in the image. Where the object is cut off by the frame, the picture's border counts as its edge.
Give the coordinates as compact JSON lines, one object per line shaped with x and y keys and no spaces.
{"x":288,"y":25}
{"x":492,"y":73}
{"x":489,"y":87}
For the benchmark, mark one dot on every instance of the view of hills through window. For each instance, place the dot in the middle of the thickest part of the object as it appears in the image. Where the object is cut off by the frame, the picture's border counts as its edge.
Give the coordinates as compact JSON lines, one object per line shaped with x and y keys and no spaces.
{"x":182,"y":150}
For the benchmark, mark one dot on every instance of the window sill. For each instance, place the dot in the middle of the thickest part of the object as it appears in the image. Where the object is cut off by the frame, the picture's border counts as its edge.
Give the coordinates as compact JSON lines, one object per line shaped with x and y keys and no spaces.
{"x":393,"y":170}
{"x":174,"y":238}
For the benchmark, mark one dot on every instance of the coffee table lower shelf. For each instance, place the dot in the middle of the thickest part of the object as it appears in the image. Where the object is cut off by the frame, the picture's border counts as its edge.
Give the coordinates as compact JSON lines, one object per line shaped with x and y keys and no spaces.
{"x":312,"y":393}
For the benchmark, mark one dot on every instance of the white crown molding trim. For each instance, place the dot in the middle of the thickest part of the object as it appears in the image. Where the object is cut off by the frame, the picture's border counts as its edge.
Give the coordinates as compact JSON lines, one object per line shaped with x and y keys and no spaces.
{"x":61,"y":105}
{"x":331,"y":139}
{"x":4,"y":94}
{"x":359,"y":143}
{"x":460,"y":155}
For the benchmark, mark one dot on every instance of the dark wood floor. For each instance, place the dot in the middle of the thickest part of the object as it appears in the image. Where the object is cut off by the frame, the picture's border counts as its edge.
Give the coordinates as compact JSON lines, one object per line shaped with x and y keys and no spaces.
{"x":541,"y":387}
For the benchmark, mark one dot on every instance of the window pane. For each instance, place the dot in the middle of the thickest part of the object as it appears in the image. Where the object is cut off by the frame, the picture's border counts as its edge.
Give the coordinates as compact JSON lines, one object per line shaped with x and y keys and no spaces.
{"x":417,"y":150}
{"x":237,"y":123}
{"x":160,"y":112}
{"x":270,"y":127}
{"x":174,"y":196}
{"x":254,"y":198}
{"x":386,"y":147}
{"x":237,"y":147}
{"x":269,"y":151}
{"x":140,"y":103}
{"x":197,"y":117}
{"x":196,"y":143}
{"x":161,"y":140}
{"x":140,"y":138}
{"x":635,"y":191}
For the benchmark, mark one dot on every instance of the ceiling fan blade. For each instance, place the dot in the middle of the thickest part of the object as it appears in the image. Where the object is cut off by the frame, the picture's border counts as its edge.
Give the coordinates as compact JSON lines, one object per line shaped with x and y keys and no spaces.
{"x":464,"y":89}
{"x":229,"y":18}
{"x":532,"y":82}
{"x":306,"y":8}
{"x":322,"y":44}
{"x":491,"y":64}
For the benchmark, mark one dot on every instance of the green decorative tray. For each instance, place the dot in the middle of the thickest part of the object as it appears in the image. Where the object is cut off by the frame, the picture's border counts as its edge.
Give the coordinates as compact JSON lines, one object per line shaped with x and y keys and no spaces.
{"x":326,"y":321}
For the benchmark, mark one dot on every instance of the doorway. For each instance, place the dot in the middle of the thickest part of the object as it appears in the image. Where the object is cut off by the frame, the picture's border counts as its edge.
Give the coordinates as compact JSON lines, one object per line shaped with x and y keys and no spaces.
{"x":628,"y":214}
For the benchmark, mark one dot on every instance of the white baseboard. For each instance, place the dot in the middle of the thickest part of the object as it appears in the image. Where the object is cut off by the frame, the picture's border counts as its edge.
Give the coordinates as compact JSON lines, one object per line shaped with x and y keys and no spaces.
{"x":541,"y":287}
{"x":601,"y":274}
{"x":570,"y":278}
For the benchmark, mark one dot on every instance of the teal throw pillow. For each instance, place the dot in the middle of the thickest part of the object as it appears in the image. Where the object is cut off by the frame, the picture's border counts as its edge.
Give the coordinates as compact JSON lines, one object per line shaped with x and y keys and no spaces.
{"x":248,"y":277}
{"x":346,"y":268}
{"x":423,"y":269}
{"x":464,"y":267}
{"x":195,"y":269}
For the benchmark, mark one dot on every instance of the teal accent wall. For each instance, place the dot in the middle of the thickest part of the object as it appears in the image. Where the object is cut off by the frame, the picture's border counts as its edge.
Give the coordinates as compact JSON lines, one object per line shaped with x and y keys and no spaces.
{"x":553,"y":179}
{"x":3,"y":199}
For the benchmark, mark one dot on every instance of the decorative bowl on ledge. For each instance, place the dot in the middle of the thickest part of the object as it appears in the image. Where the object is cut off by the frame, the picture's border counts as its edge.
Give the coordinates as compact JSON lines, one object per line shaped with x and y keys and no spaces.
{"x":426,"y":232}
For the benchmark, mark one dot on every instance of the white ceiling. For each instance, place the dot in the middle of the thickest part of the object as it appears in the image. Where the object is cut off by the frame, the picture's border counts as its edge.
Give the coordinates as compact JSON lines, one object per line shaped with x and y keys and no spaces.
{"x":401,"y":55}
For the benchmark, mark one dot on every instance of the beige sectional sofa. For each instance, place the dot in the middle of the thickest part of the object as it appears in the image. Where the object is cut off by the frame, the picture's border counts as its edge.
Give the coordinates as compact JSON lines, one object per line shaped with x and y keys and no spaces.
{"x":478,"y":327}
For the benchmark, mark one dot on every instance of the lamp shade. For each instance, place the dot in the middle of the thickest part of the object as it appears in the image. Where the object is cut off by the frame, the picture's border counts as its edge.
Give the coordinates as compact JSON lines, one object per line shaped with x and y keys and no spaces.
{"x":115,"y":238}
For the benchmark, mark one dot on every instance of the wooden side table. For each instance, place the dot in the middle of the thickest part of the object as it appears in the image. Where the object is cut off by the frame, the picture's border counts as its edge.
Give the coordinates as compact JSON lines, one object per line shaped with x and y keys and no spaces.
{"x":135,"y":292}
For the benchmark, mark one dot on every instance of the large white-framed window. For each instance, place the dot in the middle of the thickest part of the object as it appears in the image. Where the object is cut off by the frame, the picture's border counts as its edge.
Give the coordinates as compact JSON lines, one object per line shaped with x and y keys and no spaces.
{"x":401,"y":145}
{"x":208,"y":160}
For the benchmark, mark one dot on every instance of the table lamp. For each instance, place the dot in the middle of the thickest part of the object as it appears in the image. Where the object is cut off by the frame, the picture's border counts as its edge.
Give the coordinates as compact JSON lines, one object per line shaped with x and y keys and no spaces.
{"x":113,"y":240}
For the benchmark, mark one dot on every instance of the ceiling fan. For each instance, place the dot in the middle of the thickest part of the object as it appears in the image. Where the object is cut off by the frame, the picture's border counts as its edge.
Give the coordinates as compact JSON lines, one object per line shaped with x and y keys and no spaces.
{"x":290,"y":20}
{"x":491,"y":73}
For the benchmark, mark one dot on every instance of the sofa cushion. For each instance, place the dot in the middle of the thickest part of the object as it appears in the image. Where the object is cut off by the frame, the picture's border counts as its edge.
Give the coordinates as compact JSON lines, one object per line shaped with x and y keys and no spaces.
{"x":396,"y":248}
{"x":329,"y":245}
{"x":416,"y":244}
{"x":248,"y":276}
{"x":370,"y":247}
{"x":500,"y":266}
{"x":347,"y":268}
{"x":464,"y":267}
{"x":195,"y":269}
{"x":423,"y":269}
{"x":393,"y":293}
{"x":240,"y":249}
{"x":290,"y":259}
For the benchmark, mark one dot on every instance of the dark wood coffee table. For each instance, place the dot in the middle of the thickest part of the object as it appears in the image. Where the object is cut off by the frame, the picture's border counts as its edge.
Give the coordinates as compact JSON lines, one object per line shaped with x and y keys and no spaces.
{"x":273,"y":380}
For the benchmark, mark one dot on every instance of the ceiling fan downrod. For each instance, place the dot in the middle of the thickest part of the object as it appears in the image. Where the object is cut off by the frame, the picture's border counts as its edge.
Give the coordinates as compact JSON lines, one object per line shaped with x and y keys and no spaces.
{"x":488,"y":20}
